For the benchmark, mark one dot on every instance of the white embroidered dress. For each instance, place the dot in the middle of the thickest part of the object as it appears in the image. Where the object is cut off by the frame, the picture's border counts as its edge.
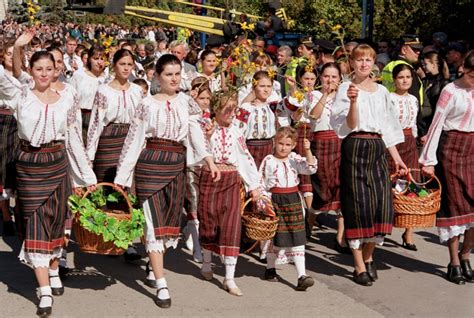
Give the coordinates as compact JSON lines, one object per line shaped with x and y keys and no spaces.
{"x":256,"y":121}
{"x":407,"y":108}
{"x":86,"y":86}
{"x":284,"y":174}
{"x":111,"y":106}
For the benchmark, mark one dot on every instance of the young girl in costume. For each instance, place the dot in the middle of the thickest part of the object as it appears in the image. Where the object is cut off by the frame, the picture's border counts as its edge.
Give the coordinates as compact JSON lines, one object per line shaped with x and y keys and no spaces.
{"x":154,"y":153}
{"x":406,"y":106}
{"x":219,"y":202}
{"x":279,"y":180}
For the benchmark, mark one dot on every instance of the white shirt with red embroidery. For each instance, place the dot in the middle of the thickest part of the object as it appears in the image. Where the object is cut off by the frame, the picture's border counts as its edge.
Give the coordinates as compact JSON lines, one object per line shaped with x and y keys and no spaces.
{"x":375,"y":111}
{"x":40,"y":123}
{"x":86,"y":86}
{"x":275,"y":96}
{"x":407,"y":108}
{"x":454,"y":111}
{"x":228,"y":147}
{"x":111,"y":106}
{"x":284,"y":173}
{"x":255,"y":121}
{"x":290,"y":105}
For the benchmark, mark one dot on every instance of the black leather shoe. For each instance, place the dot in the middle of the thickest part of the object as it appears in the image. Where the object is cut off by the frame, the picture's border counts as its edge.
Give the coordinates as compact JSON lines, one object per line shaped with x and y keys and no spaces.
{"x":371,"y":271}
{"x":304,"y":282}
{"x":57,"y":291}
{"x":466,"y":270}
{"x":162,"y":303}
{"x":149,"y":282}
{"x":131,"y":256}
{"x":455,"y":275}
{"x":63,"y":271}
{"x":44,"y":311}
{"x":362,"y":279}
{"x":408,"y":246}
{"x":271,"y":275}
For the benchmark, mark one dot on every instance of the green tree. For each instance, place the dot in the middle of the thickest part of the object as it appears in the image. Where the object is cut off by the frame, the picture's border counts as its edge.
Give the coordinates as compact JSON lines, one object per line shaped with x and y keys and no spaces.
{"x":17,"y":11}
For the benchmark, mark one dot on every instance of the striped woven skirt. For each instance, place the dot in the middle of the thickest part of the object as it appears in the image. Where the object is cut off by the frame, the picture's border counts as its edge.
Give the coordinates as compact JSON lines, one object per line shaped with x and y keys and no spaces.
{"x":408,"y":152}
{"x":43,"y":186}
{"x":8,"y":149}
{"x":219,"y":212}
{"x":366,"y":196}
{"x":259,"y":149}
{"x":108,"y":151}
{"x":289,"y":209}
{"x":304,"y":131}
{"x":193,"y":175}
{"x":456,"y":173}
{"x":86,"y":118}
{"x":326,"y":146}
{"x":160,"y":180}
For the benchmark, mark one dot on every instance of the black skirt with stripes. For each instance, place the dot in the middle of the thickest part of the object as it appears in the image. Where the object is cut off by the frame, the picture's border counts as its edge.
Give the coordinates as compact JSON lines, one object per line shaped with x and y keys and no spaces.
{"x":366,"y":196}
{"x":8,"y":148}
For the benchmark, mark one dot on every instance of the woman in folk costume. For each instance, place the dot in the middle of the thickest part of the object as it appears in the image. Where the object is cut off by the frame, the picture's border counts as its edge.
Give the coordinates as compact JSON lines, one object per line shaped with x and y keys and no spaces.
{"x":209,"y":65}
{"x":326,"y":146}
{"x":294,"y":110}
{"x":8,"y":144}
{"x":365,"y":119}
{"x":86,"y":81}
{"x":220,"y":202}
{"x":450,"y":147}
{"x":256,"y":120}
{"x":279,"y":180}
{"x":154,"y":154}
{"x":114,"y":107}
{"x":51,"y":152}
{"x":406,"y":106}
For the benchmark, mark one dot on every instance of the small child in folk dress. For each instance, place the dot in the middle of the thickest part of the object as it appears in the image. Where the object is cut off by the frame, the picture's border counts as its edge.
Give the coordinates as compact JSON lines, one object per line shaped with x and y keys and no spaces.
{"x":279,"y":180}
{"x":201,"y":94}
{"x":220,"y":201}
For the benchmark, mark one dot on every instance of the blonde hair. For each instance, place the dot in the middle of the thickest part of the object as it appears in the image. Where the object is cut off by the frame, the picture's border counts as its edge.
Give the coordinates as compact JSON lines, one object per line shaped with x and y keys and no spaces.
{"x":363,"y":50}
{"x":286,"y":132}
{"x":201,"y":84}
{"x":219,"y":101}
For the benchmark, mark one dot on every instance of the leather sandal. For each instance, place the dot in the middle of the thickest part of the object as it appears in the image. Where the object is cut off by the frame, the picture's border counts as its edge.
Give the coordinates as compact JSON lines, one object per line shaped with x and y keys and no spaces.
{"x":304,"y":282}
{"x":57,"y":291}
{"x":408,"y":246}
{"x":162,"y":303}
{"x":45,"y":311}
{"x":271,"y":275}
{"x":149,"y":282}
{"x":362,"y":278}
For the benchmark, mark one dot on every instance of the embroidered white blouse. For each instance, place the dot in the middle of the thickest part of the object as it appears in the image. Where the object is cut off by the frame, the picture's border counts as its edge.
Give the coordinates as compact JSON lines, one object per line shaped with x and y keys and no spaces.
{"x":407,"y":108}
{"x":283,"y":173}
{"x":215,"y":82}
{"x":454,"y":111}
{"x":40,"y":123}
{"x":376,"y":115}
{"x":275,"y":96}
{"x":86,"y":87}
{"x":228,"y":147}
{"x":111,"y":106}
{"x":161,"y":119}
{"x":255,"y":121}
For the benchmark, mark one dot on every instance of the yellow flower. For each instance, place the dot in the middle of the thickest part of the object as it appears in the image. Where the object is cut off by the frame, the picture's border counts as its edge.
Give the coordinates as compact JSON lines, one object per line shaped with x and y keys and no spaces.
{"x":246,"y":26}
{"x":254,"y":82}
{"x":306,"y":89}
{"x":337,"y":27}
{"x":322,"y":21}
{"x":236,"y":51}
{"x":299,"y":96}
{"x":102,"y":36}
{"x":271,"y":72}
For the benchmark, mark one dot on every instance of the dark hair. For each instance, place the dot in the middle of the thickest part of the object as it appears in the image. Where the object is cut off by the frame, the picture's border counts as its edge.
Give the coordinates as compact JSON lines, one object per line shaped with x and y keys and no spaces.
{"x":206,"y":53}
{"x":164,"y":60}
{"x":302,"y":69}
{"x":35,"y":41}
{"x":141,"y":82}
{"x":95,"y":49}
{"x":3,"y":50}
{"x":401,"y":67}
{"x":121,"y":54}
{"x":331,"y":65}
{"x":469,"y":61}
{"x":201,"y":84}
{"x":41,"y":55}
{"x":54,"y":47}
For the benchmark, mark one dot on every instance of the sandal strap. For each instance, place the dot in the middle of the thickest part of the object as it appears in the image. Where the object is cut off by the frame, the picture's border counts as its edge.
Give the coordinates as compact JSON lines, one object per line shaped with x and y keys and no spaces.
{"x":50,"y":296}
{"x":53,"y":276}
{"x":161,"y":289}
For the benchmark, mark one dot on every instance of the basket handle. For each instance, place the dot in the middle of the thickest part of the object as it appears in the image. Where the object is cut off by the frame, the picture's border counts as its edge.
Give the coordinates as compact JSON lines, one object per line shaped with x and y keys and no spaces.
{"x":116,"y":188}
{"x":412,"y":180}
{"x":263,"y":197}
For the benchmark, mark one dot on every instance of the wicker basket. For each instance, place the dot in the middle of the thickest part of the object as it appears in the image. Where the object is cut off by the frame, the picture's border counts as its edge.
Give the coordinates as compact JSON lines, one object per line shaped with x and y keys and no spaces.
{"x":92,"y":243}
{"x":417,"y":211}
{"x":259,"y":226}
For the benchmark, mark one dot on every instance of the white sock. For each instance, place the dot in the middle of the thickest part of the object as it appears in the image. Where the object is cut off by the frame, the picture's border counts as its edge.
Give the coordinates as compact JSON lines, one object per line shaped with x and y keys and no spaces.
{"x":300,"y":265}
{"x":207,"y":259}
{"x":264,"y":245}
{"x":151,"y":275}
{"x":45,"y":301}
{"x":230,"y":262}
{"x":271,"y":260}
{"x":54,"y":279}
{"x":164,"y":293}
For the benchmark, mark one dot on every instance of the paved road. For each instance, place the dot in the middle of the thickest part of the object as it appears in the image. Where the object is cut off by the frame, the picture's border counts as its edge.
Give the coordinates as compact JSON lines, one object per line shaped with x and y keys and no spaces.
{"x":410,"y":284}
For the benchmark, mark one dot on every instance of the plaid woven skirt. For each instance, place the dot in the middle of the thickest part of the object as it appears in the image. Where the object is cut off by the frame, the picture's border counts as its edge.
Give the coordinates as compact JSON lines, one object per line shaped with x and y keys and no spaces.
{"x":408,"y":152}
{"x":291,"y":224}
{"x":366,"y":195}
{"x":259,"y":149}
{"x":456,"y":173}
{"x":326,"y":146}
{"x":160,"y":179}
{"x":86,"y":118}
{"x":219,"y":212}
{"x":304,"y":131}
{"x":43,"y":187}
{"x":108,"y":151}
{"x":8,"y":148}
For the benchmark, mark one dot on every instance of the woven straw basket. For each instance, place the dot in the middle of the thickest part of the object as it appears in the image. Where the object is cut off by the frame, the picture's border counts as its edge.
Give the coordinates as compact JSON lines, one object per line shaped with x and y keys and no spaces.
{"x":92,"y":243}
{"x":416,"y":212}
{"x":259,"y":226}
